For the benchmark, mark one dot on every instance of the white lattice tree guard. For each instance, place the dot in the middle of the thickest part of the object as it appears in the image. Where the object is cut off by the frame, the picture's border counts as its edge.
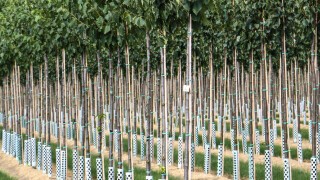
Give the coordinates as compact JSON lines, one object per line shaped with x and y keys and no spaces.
{"x":33,"y":150}
{"x":25,"y":155}
{"x":235,"y":165}
{"x":151,"y":148}
{"x":170,"y":152}
{"x":232,"y":138}
{"x":8,"y":138}
{"x":318,"y":143}
{"x":134,"y":146}
{"x":104,"y":132}
{"x":74,"y":163}
{"x":213,"y":134}
{"x":244,"y":141}
{"x":286,"y":170}
{"x":206,"y":158}
{"x":58,"y":163}
{"x":295,"y":130}
{"x":192,"y":156}
{"x":220,"y":161}
{"x":271,"y":145}
{"x":275,"y":132}
{"x":63,"y":164}
{"x":39,"y":164}
{"x":251,"y":163}
{"x":129,"y":176}
{"x":8,"y":143}
{"x":159,"y":151}
{"x":29,"y":151}
{"x":88,"y":168}
{"x":19,"y":150}
{"x":13,"y":144}
{"x":268,"y":165}
{"x":257,"y":139}
{"x":4,"y":145}
{"x":15,"y":137}
{"x":110,"y":173}
{"x":120,"y":174}
{"x":49,"y":161}
{"x":116,"y":145}
{"x":81,"y":168}
{"x":246,"y":125}
{"x":44,"y":159}
{"x":196,"y":141}
{"x":310,"y":132}
{"x":204,"y":136}
{"x":313,"y":171}
{"x":99,"y":169}
{"x":9,"y":147}
{"x":300,"y":154}
{"x":180,"y":152}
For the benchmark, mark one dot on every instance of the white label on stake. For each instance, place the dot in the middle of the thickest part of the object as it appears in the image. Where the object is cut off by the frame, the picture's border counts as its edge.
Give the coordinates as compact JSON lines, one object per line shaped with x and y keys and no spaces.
{"x":186,"y":88}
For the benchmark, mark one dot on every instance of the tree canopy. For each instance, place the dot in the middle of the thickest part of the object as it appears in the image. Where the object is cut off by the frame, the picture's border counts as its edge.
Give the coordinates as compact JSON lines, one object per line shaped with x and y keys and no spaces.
{"x":30,"y":30}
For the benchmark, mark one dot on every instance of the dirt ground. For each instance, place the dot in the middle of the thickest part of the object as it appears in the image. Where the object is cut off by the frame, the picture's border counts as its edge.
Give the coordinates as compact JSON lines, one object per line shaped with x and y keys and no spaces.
{"x":10,"y":165}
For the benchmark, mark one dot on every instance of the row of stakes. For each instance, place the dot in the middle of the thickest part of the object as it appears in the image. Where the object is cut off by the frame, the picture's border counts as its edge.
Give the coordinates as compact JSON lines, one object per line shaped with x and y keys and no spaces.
{"x":11,"y":145}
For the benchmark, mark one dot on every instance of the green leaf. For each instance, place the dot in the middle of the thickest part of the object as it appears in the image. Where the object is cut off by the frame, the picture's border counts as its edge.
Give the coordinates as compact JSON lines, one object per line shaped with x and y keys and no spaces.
{"x":99,"y":22}
{"x":139,"y":21}
{"x":106,"y":29}
{"x":197,"y":6}
{"x":37,"y":18}
{"x":186,"y":5}
{"x":127,"y":17}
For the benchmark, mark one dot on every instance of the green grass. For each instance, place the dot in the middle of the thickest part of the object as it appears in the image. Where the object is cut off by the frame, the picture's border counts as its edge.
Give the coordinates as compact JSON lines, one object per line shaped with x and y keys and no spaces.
{"x":304,"y":132}
{"x":139,"y":173}
{"x":244,"y":167}
{"x":5,"y":176}
{"x":307,"y":153}
{"x":199,"y":157}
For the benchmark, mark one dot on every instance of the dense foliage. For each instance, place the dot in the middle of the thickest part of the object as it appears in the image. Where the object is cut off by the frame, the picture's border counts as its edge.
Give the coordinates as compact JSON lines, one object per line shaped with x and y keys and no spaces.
{"x":30,"y":30}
